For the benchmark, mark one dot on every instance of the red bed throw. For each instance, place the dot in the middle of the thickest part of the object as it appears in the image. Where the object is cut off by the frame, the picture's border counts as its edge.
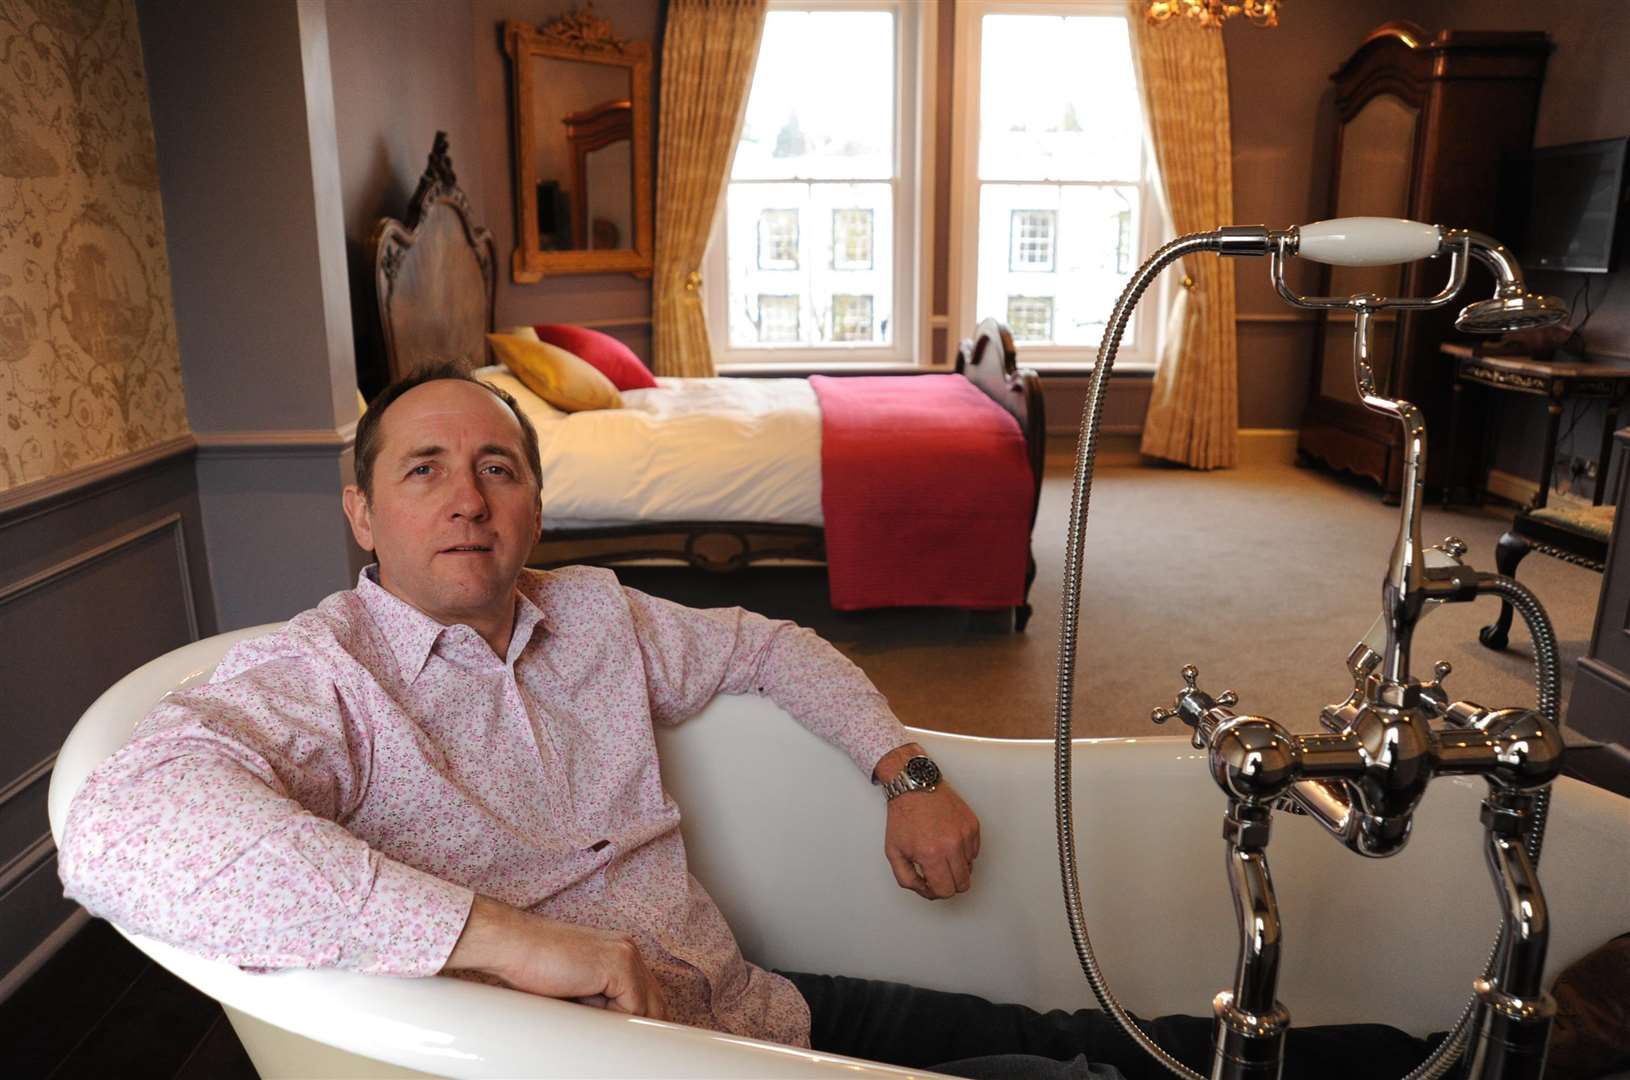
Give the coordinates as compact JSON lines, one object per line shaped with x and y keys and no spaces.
{"x":927,"y":493}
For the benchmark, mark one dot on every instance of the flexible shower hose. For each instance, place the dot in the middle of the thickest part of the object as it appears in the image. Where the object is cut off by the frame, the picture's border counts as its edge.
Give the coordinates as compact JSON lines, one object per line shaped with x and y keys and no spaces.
{"x":1547,"y":676}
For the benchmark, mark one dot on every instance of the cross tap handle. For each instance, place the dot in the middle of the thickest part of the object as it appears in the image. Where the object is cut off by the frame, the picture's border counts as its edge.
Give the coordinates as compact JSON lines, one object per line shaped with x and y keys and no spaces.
{"x":1193,"y":705}
{"x":1433,"y":695}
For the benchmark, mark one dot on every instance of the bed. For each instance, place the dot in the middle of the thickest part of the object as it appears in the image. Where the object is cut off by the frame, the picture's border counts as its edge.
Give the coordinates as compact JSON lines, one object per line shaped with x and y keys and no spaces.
{"x":435,"y":276}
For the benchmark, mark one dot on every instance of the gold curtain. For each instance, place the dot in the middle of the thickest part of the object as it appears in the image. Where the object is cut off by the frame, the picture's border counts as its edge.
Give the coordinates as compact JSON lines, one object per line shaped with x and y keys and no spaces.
{"x":708,"y":52}
{"x":1183,"y":79}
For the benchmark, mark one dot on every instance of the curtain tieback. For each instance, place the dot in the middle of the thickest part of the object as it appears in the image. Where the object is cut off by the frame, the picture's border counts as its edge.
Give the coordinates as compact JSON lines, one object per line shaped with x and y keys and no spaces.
{"x":693,"y":287}
{"x":1188,"y":282}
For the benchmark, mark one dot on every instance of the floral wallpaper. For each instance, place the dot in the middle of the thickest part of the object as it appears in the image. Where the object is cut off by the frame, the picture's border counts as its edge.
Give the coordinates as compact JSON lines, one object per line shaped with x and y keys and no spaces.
{"x":89,"y":367}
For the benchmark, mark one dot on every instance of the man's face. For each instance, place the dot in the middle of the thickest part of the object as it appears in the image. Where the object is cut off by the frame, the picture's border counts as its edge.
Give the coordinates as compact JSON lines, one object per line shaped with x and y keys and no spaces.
{"x":454,"y":511}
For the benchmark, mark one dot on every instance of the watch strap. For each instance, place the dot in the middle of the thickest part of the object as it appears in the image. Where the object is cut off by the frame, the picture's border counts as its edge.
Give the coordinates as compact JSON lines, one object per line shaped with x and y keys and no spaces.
{"x":905,"y":781}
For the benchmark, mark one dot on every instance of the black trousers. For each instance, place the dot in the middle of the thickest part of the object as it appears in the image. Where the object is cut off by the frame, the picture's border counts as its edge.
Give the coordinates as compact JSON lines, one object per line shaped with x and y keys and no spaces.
{"x":915,"y":1028}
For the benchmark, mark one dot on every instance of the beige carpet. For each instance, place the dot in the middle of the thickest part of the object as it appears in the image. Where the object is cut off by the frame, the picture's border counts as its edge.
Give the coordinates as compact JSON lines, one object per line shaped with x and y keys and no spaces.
{"x":1262,"y":576}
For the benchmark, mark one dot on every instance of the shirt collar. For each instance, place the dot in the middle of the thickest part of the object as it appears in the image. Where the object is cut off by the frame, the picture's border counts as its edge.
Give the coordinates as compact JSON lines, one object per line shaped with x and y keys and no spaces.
{"x":528,"y":618}
{"x":411,"y":635}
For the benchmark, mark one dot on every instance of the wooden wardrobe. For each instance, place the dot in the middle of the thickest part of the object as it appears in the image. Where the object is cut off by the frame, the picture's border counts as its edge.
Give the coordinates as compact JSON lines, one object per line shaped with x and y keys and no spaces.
{"x":1422,"y":121}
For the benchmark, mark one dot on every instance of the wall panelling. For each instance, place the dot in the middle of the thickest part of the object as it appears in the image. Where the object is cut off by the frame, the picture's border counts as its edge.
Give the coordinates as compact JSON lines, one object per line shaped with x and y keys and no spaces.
{"x":95,"y":580}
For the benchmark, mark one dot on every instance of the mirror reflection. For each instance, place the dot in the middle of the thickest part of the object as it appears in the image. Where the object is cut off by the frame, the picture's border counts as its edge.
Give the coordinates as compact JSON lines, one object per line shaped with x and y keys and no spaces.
{"x":582,"y":101}
{"x":583,"y":155}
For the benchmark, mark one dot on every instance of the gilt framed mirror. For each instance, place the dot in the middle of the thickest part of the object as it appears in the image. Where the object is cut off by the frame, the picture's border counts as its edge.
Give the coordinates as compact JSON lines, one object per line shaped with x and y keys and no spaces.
{"x":582,"y":109}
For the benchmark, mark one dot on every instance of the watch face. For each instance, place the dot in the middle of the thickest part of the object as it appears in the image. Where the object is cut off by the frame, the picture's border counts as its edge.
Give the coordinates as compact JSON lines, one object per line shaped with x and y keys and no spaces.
{"x":923,"y":771}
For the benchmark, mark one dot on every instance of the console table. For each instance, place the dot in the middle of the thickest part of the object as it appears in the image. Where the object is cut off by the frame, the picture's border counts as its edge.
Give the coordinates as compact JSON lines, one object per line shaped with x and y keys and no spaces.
{"x":1575,"y":535}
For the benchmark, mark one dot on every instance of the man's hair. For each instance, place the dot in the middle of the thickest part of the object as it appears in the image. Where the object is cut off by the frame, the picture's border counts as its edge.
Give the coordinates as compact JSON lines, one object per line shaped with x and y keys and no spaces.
{"x":368,"y":428}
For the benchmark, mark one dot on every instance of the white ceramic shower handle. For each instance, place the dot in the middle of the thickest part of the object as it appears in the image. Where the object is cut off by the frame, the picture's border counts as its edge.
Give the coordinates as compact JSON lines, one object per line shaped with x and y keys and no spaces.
{"x":1367,"y":241}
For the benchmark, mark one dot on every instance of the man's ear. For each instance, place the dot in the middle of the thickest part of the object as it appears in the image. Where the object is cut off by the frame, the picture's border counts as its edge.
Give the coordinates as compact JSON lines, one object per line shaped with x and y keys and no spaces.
{"x":356,"y":512}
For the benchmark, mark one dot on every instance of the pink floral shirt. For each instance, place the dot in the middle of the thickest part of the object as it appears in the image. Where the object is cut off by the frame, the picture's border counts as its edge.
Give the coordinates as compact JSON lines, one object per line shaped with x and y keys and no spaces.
{"x":338,"y":792}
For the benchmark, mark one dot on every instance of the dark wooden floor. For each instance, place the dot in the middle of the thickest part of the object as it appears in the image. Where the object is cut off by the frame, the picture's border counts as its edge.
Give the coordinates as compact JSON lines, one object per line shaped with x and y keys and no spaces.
{"x":100,"y":1009}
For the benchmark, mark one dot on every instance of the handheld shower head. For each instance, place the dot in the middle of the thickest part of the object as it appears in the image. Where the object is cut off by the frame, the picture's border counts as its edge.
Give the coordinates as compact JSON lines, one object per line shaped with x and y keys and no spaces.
{"x":1377,"y":241}
{"x":1513,"y":307}
{"x":1502,"y":315}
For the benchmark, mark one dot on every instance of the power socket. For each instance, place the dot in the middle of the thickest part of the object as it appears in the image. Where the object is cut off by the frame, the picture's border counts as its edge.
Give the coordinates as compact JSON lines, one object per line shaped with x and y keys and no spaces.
{"x":1580,"y":475}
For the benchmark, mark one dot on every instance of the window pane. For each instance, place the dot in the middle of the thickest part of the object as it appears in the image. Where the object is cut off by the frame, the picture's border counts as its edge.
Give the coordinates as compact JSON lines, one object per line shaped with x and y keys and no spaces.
{"x":825,"y":248}
{"x":822,"y":102}
{"x":1057,"y":100}
{"x":1033,"y":235}
{"x":852,"y":239}
{"x":1030,"y":318}
{"x":778,"y":239}
{"x":851,"y":318}
{"x":1056,"y":256}
{"x":778,"y":318}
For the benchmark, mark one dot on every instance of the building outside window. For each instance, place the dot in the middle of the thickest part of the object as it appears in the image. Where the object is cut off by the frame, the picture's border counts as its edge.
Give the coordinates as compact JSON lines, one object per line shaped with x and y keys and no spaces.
{"x":1030,"y":239}
{"x":778,"y":317}
{"x":1030,"y":318}
{"x":852,"y":318}
{"x":778,"y":239}
{"x":1058,"y":178}
{"x":820,"y":153}
{"x":852,"y":239}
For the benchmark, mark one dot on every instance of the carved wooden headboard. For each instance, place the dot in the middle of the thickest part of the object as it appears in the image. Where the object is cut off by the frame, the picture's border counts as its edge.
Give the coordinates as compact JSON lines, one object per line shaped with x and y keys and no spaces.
{"x":435,"y":275}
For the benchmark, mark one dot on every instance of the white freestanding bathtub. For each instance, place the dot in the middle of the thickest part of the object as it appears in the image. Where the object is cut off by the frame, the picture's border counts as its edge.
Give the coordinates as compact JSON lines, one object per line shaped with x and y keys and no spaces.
{"x":798,"y":870}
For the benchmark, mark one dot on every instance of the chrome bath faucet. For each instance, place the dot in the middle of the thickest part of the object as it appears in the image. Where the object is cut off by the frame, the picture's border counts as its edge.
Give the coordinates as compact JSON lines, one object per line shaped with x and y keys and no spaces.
{"x":1362,"y":775}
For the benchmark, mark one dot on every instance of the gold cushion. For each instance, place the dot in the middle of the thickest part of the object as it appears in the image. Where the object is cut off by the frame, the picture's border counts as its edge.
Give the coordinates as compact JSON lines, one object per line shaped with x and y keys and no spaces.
{"x":1595,"y":522}
{"x":555,"y":375}
{"x":525,"y":333}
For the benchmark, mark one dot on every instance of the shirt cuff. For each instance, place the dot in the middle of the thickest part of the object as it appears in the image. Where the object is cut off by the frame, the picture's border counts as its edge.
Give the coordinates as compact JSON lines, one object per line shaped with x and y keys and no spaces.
{"x":866,"y":739}
{"x":410,"y":923}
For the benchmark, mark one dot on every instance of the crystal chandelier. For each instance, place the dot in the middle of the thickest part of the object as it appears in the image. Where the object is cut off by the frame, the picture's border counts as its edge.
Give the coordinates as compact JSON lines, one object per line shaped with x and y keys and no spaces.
{"x":1211,"y":13}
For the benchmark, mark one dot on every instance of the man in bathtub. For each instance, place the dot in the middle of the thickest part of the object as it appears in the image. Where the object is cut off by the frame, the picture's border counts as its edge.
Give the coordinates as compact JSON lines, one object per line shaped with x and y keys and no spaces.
{"x":451,"y":768}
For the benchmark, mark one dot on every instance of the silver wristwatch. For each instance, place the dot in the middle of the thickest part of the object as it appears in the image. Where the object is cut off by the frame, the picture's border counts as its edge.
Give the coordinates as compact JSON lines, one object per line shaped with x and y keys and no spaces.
{"x":919,"y":774}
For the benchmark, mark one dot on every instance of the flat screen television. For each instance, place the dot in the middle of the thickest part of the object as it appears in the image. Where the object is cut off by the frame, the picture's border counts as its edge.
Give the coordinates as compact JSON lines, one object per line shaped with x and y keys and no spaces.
{"x":1570,"y":204}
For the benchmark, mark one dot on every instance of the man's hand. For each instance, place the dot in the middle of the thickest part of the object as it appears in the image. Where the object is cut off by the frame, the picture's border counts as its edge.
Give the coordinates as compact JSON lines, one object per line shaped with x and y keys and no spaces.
{"x":556,"y":959}
{"x":932,"y":837}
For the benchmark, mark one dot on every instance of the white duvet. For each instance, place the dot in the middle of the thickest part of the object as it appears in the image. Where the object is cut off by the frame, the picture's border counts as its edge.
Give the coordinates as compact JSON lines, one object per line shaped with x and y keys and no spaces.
{"x":690,"y":450}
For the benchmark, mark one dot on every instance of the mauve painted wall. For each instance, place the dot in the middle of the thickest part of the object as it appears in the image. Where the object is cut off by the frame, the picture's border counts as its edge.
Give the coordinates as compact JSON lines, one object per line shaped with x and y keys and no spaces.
{"x":237,"y":165}
{"x":402,"y":72}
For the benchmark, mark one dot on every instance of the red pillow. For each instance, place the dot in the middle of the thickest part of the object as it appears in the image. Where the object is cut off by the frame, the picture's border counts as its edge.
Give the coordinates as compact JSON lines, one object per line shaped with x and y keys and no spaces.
{"x":605,"y":353}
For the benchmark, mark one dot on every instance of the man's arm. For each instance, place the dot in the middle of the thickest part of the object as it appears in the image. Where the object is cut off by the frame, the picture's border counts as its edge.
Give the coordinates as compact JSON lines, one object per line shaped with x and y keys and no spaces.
{"x":557,"y":959}
{"x":215,"y":830}
{"x":690,"y":655}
